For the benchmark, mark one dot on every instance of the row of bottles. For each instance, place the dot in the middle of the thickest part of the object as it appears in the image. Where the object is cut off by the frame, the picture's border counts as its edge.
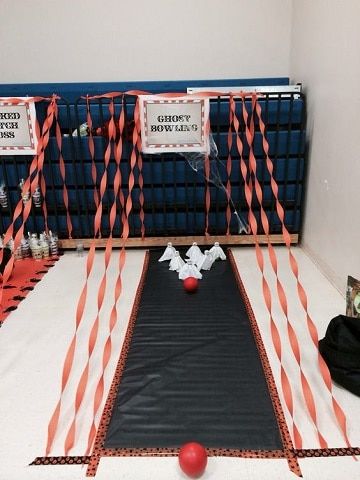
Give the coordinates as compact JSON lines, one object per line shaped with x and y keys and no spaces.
{"x":42,"y":246}
{"x":25,"y":195}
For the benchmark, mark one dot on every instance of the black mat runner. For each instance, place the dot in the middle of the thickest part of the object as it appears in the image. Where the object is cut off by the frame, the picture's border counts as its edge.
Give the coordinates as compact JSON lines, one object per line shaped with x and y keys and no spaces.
{"x":193,"y":372}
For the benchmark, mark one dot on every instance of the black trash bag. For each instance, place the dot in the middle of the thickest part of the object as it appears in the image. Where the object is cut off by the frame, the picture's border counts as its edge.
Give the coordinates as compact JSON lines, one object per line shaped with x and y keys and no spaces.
{"x":6,"y":257}
{"x":340,"y":349}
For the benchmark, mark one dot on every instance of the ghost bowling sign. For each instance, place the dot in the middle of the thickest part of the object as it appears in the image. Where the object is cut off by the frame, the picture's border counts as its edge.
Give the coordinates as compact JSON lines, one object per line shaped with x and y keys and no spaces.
{"x":174,"y":124}
{"x":17,"y":126}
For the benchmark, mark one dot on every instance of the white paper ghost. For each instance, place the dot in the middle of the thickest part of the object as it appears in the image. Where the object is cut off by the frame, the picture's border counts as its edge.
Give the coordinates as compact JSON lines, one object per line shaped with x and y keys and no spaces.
{"x":206,"y":261}
{"x":176,"y":262}
{"x":168,"y":254}
{"x":217,"y":252}
{"x":189,"y":270}
{"x":194,"y":252}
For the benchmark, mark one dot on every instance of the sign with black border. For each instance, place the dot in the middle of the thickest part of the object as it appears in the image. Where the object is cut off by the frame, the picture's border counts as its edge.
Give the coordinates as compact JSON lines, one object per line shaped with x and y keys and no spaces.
{"x":177,"y":124}
{"x":17,"y":126}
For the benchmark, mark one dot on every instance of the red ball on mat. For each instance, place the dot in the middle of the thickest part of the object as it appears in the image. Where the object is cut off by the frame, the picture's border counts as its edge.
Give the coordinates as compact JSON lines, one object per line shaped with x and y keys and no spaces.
{"x":191,"y":284}
{"x":193,"y":459}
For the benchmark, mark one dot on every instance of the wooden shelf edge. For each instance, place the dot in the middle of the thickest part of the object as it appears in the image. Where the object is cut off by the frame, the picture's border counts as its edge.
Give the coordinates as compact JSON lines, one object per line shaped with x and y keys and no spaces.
{"x":177,"y":241}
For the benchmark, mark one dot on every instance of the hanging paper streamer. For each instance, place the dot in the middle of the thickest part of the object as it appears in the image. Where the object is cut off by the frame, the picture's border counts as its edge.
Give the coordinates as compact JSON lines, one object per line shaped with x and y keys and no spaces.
{"x":228,"y":172}
{"x":284,"y":380}
{"x":99,"y":392}
{"x":339,"y":413}
{"x":69,"y":358}
{"x":307,"y":394}
{"x":89,"y":130}
{"x":82,"y":385}
{"x":62,"y":169}
{"x":137,"y":126}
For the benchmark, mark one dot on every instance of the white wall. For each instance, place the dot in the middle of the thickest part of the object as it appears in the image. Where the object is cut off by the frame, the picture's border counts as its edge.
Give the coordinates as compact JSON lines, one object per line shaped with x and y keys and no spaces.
{"x":114,"y":40}
{"x":325,"y":57}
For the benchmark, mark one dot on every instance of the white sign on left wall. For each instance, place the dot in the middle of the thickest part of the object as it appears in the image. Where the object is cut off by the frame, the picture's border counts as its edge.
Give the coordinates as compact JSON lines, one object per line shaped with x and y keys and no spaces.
{"x":17,"y":126}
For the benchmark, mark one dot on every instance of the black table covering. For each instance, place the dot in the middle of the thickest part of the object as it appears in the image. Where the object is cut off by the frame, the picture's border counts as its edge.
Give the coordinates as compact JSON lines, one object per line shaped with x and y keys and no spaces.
{"x":193,"y":371}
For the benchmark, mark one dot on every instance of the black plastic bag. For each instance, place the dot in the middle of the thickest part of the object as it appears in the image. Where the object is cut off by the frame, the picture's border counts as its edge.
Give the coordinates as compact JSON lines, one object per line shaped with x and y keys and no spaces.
{"x":340,"y":349}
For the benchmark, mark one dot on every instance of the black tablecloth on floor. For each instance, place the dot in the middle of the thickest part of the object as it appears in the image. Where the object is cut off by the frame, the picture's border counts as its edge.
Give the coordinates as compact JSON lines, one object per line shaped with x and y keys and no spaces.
{"x":193,"y":372}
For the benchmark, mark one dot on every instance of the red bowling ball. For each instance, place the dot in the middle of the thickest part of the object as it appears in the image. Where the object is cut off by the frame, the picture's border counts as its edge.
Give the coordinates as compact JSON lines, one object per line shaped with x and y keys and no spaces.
{"x":191,"y":284}
{"x":193,"y":459}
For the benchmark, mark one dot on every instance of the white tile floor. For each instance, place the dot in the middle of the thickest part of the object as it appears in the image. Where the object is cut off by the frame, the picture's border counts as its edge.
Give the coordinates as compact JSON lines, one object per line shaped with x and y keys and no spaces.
{"x":34,"y":339}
